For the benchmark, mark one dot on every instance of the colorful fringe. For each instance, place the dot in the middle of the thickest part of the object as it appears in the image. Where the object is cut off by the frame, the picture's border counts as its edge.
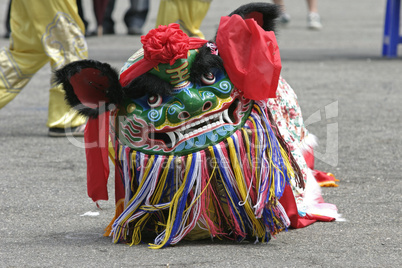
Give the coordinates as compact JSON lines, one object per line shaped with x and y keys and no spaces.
{"x":229,"y":190}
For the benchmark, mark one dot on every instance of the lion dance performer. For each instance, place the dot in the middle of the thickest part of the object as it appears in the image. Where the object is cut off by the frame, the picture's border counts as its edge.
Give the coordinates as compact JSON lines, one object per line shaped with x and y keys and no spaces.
{"x":43,"y":31}
{"x":196,"y":140}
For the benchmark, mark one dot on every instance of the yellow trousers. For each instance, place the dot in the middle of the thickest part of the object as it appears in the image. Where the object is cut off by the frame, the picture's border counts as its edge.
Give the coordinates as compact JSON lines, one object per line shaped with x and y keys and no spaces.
{"x":188,"y":13}
{"x":41,"y":32}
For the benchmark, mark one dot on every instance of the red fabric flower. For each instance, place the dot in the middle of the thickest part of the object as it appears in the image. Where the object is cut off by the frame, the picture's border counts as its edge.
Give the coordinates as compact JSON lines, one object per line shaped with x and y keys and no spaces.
{"x":165,"y":44}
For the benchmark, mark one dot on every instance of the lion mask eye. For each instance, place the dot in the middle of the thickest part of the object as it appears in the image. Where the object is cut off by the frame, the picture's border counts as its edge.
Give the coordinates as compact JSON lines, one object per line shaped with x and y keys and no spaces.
{"x":154,"y":100}
{"x":208,"y":78}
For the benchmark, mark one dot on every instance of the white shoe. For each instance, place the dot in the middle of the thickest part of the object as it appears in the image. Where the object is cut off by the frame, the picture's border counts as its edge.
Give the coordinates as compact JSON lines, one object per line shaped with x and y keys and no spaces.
{"x":284,"y":19}
{"x":314,"y":21}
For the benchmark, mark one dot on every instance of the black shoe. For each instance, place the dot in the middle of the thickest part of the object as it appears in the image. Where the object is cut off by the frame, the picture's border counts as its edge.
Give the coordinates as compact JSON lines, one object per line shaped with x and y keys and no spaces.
{"x":91,"y":34}
{"x":108,"y":30}
{"x":63,"y":132}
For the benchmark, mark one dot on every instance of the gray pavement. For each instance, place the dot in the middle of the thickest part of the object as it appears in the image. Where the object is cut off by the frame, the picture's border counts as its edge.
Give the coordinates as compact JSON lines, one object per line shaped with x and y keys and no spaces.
{"x":350,"y":96}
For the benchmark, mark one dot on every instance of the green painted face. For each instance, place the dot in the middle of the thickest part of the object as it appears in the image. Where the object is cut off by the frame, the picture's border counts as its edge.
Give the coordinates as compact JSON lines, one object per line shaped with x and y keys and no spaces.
{"x":190,"y":119}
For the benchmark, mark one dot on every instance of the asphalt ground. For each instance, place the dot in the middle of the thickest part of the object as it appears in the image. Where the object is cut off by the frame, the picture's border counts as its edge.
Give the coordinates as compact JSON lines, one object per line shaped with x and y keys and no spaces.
{"x":350,"y":97}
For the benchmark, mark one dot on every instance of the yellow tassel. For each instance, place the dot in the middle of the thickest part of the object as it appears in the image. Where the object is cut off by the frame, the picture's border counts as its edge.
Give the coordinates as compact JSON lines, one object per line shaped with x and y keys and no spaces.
{"x":173,"y":207}
{"x":247,"y":144}
{"x":140,"y":224}
{"x":159,"y":190}
{"x":242,"y":187}
{"x":257,"y":175}
{"x":285,"y":157}
{"x":211,"y":150}
{"x":147,"y":169}
{"x":112,"y":153}
{"x":138,"y":227}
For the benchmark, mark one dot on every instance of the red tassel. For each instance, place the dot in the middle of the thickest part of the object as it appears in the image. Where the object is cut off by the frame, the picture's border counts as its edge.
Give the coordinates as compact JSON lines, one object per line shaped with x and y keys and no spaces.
{"x":96,"y":149}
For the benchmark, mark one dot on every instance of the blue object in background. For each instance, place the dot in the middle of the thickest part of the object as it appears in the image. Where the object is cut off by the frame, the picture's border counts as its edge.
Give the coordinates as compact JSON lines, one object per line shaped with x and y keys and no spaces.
{"x":391,"y":37}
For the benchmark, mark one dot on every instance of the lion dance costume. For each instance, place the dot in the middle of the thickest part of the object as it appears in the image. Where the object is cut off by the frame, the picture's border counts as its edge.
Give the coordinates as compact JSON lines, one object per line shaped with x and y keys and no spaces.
{"x":200,"y":147}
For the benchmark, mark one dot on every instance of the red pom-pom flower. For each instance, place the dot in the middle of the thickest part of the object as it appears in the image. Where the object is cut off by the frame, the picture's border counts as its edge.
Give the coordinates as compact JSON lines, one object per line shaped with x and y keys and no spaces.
{"x":165,"y":44}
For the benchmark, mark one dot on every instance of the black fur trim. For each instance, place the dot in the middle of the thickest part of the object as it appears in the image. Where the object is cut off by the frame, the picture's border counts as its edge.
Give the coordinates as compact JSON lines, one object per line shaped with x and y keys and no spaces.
{"x":147,"y":84}
{"x":113,"y":93}
{"x":204,"y":63}
{"x":270,"y":12}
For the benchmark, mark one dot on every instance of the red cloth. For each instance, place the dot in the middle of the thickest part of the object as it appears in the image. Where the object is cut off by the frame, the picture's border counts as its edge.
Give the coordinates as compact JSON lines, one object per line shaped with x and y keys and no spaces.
{"x":296,"y":221}
{"x":309,"y":157}
{"x":96,"y":148}
{"x":250,"y":56}
{"x":323,"y":179}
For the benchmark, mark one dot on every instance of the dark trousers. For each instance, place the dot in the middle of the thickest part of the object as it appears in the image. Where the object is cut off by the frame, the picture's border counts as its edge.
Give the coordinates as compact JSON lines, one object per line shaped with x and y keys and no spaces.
{"x":134,"y":17}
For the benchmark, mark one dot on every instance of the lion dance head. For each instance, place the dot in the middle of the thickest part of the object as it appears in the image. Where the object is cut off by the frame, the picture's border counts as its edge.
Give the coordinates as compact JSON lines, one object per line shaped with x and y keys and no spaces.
{"x":197,"y":152}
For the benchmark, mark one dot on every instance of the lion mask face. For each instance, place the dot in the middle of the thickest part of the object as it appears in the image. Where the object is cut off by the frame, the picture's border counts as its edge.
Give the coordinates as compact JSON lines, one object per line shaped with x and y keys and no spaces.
{"x":200,"y":108}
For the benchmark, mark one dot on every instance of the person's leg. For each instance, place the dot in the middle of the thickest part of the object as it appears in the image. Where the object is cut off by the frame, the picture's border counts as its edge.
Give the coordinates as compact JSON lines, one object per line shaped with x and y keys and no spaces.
{"x":23,"y":58}
{"x":99,"y":11}
{"x":81,"y":13}
{"x":135,"y":17}
{"x":7,"y":22}
{"x":167,"y":13}
{"x":284,"y":17}
{"x":191,"y":14}
{"x":312,"y":6}
{"x":63,"y":41}
{"x":313,"y":18}
{"x":108,"y":23}
{"x":42,"y":31}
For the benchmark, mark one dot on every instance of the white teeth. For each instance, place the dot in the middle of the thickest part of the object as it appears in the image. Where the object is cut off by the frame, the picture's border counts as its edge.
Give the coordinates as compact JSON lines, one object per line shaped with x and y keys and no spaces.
{"x":226,"y":117}
{"x":180,"y":136}
{"x":221,"y":118}
{"x":172,"y":138}
{"x":218,"y":118}
{"x":177,"y":136}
